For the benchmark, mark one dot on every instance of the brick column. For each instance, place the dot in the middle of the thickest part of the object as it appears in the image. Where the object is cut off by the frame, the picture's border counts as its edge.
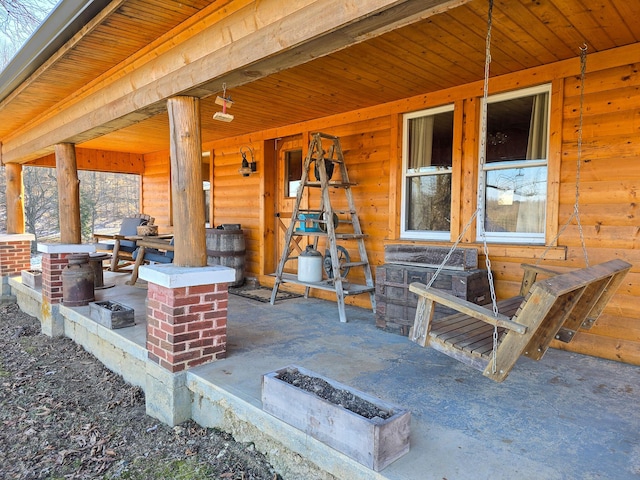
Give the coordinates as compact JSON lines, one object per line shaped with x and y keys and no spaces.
{"x":15,"y":253}
{"x":15,"y":256}
{"x":52,"y":266}
{"x":186,"y":314}
{"x":186,"y":326}
{"x":54,"y":261}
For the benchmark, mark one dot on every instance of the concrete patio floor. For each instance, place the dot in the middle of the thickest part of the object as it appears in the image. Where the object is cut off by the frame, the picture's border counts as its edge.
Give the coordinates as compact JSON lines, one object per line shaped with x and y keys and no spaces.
{"x":568,"y":416}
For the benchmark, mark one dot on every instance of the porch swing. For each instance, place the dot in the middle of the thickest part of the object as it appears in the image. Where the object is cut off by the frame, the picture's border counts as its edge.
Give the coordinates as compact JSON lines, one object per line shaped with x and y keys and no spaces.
{"x":492,"y":338}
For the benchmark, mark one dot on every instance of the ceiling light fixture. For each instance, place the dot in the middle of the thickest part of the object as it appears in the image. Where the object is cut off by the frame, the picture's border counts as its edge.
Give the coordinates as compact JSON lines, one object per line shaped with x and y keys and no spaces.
{"x":226,"y":102}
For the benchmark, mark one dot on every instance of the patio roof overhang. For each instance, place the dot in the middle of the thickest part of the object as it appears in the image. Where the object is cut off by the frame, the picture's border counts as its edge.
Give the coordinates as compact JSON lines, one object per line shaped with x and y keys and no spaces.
{"x":106,"y":87}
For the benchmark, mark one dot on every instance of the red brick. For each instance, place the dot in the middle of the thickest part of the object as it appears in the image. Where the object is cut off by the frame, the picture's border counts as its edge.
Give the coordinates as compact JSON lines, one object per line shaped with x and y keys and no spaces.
{"x":158,"y":333}
{"x":201,"y":289}
{"x":186,"y":356}
{"x":183,"y":301}
{"x":200,"y":326}
{"x":202,"y":307}
{"x":221,"y":323}
{"x":152,"y":357}
{"x":199,"y":361}
{"x":187,"y":318}
{"x":172,"y":311}
{"x":215,"y":314}
{"x":214,"y":332}
{"x":202,"y":342}
{"x":212,"y":297}
{"x":182,"y":337}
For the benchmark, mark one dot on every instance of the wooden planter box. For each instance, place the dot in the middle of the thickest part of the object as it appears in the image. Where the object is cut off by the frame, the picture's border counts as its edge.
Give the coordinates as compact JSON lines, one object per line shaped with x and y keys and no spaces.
{"x":374,"y":442}
{"x":32,"y":278}
{"x":111,"y":314}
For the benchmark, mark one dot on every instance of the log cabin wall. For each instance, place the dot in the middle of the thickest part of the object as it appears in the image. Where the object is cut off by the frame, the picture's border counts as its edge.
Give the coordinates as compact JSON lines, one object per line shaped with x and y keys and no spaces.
{"x":236,"y":199}
{"x":371,"y":139}
{"x":156,"y":190}
{"x":100,"y":160}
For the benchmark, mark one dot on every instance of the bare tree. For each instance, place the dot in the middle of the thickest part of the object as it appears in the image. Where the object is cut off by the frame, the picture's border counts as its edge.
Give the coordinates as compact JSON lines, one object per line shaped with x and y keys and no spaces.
{"x":41,"y":201}
{"x":18,"y":19}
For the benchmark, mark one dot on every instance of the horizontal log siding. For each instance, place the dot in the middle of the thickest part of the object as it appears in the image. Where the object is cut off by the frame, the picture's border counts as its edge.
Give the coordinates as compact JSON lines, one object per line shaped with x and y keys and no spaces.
{"x":610,"y":178}
{"x":100,"y":161}
{"x":236,"y":199}
{"x":156,"y":191}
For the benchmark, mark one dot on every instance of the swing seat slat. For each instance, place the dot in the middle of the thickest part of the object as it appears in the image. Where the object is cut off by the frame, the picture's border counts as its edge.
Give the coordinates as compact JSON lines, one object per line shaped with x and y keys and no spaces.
{"x":526,"y":325}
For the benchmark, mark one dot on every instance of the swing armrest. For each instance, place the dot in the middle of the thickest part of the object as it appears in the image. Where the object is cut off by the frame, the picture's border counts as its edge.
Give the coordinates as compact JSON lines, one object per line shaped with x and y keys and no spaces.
{"x":538,"y":269}
{"x":466,"y":307}
{"x":531,"y":275}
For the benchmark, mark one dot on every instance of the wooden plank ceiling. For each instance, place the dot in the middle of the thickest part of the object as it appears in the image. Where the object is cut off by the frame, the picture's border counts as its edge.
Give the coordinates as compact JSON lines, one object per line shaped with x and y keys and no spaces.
{"x":443,"y":51}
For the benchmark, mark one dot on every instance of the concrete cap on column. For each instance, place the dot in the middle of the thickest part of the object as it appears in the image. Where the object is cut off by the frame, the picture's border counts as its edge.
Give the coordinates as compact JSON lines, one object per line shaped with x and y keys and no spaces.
{"x":66,"y":248}
{"x":172,"y":276}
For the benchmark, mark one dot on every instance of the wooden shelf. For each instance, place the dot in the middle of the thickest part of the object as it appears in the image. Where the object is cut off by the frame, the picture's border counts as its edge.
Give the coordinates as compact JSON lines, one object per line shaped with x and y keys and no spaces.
{"x":348,"y":288}
{"x":331,"y":184}
{"x":339,"y":236}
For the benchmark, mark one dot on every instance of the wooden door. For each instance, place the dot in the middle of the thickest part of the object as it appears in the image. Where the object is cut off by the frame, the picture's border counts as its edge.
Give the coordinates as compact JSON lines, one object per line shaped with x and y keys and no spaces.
{"x":290,"y":157}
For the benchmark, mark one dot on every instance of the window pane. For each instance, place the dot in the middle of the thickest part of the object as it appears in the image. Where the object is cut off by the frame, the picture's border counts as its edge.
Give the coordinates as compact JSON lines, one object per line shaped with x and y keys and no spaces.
{"x":517,"y":128}
{"x":429,"y":152}
{"x":515,"y":200}
{"x":430,"y":141}
{"x":429,"y":202}
{"x":293,"y":172}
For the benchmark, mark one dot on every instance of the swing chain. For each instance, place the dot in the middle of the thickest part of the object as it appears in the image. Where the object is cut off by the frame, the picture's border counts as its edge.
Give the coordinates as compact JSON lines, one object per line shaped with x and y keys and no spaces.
{"x":474,"y":217}
{"x":576,"y":206}
{"x":451,"y":250}
{"x":583,"y":70}
{"x":483,"y":158}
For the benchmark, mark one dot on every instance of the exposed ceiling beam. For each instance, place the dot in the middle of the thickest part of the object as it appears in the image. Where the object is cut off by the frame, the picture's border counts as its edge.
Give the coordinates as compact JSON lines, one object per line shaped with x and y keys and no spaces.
{"x":317,"y":29}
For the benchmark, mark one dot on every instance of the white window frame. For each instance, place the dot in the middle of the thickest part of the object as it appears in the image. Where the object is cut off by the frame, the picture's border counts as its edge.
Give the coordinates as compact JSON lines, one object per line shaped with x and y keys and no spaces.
{"x":404,"y":232}
{"x":512,"y":237}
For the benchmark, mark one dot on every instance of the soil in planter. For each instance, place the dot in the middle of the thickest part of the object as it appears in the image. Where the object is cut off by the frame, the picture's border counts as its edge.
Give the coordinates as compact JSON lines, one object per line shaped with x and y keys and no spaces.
{"x":114,"y":307}
{"x":337,"y":396}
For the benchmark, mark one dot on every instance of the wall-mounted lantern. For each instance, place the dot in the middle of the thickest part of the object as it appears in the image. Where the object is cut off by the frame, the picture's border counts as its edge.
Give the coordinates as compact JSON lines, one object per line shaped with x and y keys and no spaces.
{"x":247,"y":167}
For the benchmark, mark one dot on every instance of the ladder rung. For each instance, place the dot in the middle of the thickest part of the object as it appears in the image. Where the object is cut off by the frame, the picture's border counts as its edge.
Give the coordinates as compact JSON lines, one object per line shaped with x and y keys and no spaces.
{"x":345,"y":212}
{"x":331,"y":184}
{"x":325,"y":135}
{"x":353,"y":264}
{"x":350,"y":236}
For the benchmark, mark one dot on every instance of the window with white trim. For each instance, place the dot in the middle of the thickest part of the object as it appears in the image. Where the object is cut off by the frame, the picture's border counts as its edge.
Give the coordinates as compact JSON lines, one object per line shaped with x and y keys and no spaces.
{"x":515,"y":170}
{"x":427,"y":164}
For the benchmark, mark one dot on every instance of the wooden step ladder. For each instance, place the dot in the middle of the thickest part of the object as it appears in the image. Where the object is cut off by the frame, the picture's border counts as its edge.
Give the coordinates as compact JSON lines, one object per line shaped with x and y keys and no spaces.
{"x":327,"y":219}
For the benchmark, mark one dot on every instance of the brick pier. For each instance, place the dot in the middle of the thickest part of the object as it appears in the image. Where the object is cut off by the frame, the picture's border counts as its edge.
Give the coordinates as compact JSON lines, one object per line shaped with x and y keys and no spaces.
{"x":186,"y":326}
{"x":15,"y":256}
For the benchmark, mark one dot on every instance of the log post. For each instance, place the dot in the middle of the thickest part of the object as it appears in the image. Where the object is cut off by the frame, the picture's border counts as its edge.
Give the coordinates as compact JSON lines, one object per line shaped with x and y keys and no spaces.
{"x":68,"y":194}
{"x":186,"y":182}
{"x":14,"y":195}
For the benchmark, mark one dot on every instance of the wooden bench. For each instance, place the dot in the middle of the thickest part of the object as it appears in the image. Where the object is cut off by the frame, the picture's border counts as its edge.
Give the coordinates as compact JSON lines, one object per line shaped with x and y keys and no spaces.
{"x":552,"y":308}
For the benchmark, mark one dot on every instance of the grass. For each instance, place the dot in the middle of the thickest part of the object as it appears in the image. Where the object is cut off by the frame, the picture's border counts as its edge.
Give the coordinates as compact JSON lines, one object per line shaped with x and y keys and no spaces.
{"x":143,"y":469}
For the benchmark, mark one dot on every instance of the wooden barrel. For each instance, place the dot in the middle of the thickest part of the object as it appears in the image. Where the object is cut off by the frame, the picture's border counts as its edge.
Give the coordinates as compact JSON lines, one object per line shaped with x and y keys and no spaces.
{"x":226,"y":247}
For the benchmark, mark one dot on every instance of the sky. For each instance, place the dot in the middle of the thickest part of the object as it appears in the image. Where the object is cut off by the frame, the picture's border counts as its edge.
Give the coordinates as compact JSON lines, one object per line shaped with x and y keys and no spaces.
{"x":18,"y":20}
